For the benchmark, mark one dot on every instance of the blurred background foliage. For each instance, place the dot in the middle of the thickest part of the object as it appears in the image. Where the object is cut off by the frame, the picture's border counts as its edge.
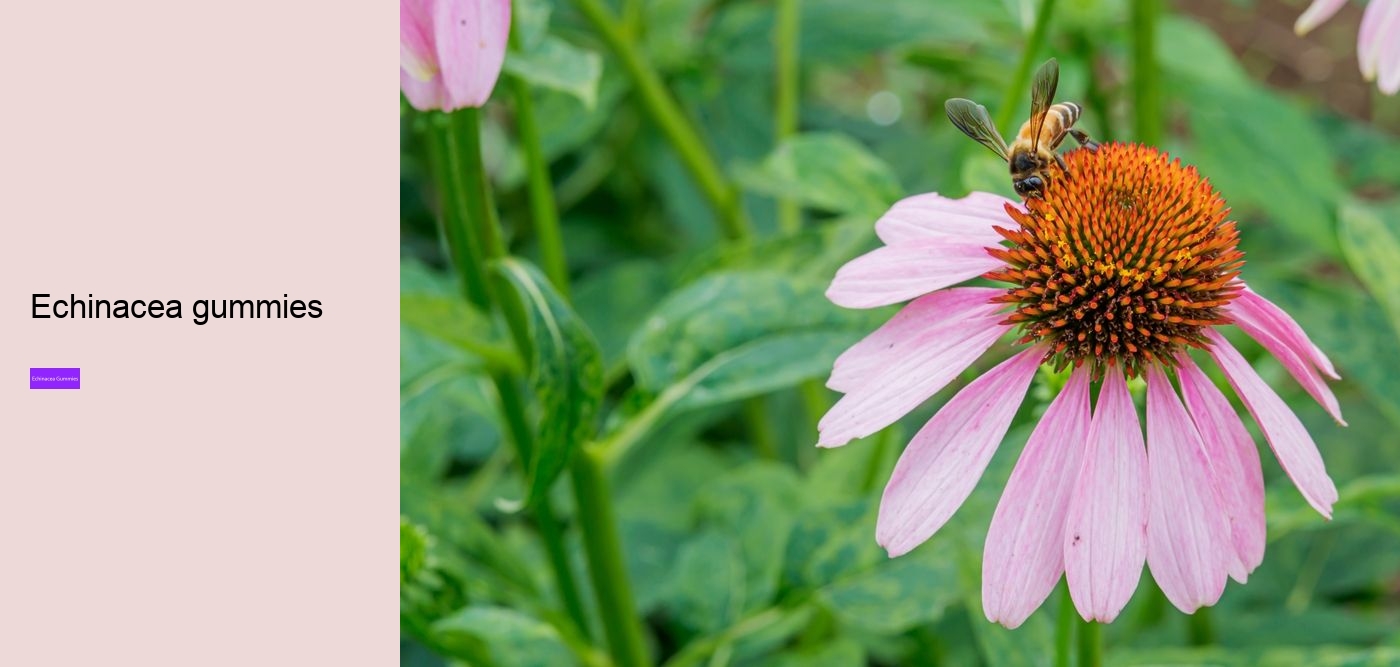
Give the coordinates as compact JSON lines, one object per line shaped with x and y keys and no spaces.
{"x":744,"y":544}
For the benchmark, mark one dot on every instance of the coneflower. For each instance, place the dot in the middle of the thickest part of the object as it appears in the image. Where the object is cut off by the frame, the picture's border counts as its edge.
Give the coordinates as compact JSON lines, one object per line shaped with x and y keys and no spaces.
{"x":1121,"y":267}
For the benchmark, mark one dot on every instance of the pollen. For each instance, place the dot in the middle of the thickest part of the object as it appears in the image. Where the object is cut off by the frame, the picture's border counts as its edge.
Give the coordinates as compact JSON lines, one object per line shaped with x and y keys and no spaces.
{"x":1124,"y":260}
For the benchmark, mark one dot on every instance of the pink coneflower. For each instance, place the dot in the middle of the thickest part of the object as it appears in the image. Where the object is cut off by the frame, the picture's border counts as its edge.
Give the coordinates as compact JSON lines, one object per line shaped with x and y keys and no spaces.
{"x":1119,"y":269}
{"x":451,"y":51}
{"x":1377,"y":42}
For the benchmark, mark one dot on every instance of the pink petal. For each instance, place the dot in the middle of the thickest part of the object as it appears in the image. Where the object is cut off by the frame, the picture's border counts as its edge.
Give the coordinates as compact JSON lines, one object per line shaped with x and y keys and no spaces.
{"x":1316,"y":13}
{"x":1389,"y":65}
{"x":1263,"y":314}
{"x":1235,"y":461}
{"x":1291,"y":356}
{"x":417,"y":53}
{"x":1292,"y":445}
{"x":926,"y":364}
{"x":1106,"y":531}
{"x":423,"y":95}
{"x":932,"y":315}
{"x":901,"y":272}
{"x":1377,"y":26}
{"x":1188,"y":532}
{"x":471,"y":38}
{"x":933,"y":215}
{"x":1025,"y":549}
{"x":945,"y":459}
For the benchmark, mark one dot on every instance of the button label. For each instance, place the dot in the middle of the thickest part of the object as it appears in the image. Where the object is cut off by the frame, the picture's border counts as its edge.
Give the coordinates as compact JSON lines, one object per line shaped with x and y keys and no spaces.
{"x":55,"y":378}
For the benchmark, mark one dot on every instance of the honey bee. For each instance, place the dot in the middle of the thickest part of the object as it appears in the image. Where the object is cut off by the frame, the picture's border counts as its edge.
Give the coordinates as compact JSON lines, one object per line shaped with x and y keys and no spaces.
{"x":1033,"y":151}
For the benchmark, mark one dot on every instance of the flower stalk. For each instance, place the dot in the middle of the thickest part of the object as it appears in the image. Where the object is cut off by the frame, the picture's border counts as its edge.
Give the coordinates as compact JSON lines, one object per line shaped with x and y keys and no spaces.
{"x":463,"y":182}
{"x":666,"y":113}
{"x":785,"y":106}
{"x":1147,"y":100}
{"x":1022,"y":80}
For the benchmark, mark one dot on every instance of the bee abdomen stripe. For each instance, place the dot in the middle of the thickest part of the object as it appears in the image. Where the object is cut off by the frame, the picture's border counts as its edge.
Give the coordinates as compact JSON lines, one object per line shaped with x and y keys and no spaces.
{"x":1069,"y":112}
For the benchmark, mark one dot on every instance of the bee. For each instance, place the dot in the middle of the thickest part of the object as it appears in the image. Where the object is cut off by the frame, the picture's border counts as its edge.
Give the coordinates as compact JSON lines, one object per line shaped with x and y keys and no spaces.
{"x":1033,"y":151}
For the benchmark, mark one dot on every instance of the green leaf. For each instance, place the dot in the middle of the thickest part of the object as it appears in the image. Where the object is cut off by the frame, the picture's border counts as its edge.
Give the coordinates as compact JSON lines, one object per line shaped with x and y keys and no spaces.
{"x":829,"y":172}
{"x":503,"y":637}
{"x":722,"y":313}
{"x":838,"y":652}
{"x":558,"y":65}
{"x":1370,"y":239}
{"x":566,"y":373}
{"x":756,"y":504}
{"x":896,"y":595}
{"x":708,"y":584}
{"x":455,"y":322}
{"x":1235,"y":130}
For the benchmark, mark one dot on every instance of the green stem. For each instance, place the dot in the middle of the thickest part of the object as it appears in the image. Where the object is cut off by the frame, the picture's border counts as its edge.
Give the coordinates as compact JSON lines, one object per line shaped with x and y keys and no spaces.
{"x":873,"y":465}
{"x":1064,"y":628}
{"x":1090,"y":644}
{"x":760,"y":429}
{"x":597,"y":522}
{"x":543,"y":210}
{"x":1147,"y":111}
{"x":603,"y":545}
{"x":667,"y":114}
{"x":461,"y":158}
{"x":551,"y":533}
{"x":1020,"y":84}
{"x":785,"y":114}
{"x":1200,"y":630}
{"x":453,"y":219}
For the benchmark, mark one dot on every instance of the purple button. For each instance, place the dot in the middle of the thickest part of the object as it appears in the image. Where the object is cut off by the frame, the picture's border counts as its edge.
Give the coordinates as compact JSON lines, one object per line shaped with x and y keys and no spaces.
{"x":54,"y":378}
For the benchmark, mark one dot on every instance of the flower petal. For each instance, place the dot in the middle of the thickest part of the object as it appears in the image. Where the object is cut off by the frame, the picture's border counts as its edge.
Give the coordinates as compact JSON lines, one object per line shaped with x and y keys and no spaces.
{"x":926,"y":365}
{"x":1188,"y":532}
{"x":1389,"y":65}
{"x":1291,"y":356}
{"x":417,"y":53}
{"x":945,"y":459}
{"x":1316,"y":13}
{"x":471,"y":38}
{"x":1377,"y":26}
{"x":1292,"y":445}
{"x":1024,"y":554}
{"x":901,"y":272}
{"x":423,"y":95}
{"x":1262,"y":314}
{"x":1234,"y":460}
{"x":1106,"y":531}
{"x":941,"y":314}
{"x":933,"y":215}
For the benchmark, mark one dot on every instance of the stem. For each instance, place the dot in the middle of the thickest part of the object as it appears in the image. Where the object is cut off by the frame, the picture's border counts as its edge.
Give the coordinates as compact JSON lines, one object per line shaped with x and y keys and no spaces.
{"x":1090,"y":644}
{"x":1064,"y":628}
{"x":1022,"y":81}
{"x":514,"y":410}
{"x":597,"y":522}
{"x":603,"y":545}
{"x":452,"y":221}
{"x":760,"y":429}
{"x":871,"y":477}
{"x":543,"y":210}
{"x":1147,"y":112}
{"x":464,"y":184}
{"x":1199,"y":629}
{"x":667,"y":114}
{"x":785,"y":115}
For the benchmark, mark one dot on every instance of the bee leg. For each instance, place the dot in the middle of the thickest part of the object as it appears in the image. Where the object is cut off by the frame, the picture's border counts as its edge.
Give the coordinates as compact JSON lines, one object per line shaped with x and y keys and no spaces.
{"x":1060,"y":160}
{"x":1083,"y":138}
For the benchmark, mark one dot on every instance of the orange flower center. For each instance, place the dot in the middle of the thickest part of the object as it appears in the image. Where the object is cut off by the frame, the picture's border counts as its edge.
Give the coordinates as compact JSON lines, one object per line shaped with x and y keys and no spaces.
{"x":1124,"y":260}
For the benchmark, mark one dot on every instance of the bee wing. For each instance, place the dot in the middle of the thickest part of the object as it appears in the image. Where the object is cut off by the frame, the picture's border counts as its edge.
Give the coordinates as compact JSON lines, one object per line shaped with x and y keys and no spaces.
{"x":1043,"y":86}
{"x":972,"y":119}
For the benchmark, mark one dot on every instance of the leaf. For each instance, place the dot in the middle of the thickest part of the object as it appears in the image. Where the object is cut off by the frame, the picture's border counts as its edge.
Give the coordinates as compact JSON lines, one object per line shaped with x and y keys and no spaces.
{"x":708,"y":584}
{"x":1211,"y":59}
{"x":756,"y":505}
{"x":1370,"y":239}
{"x":725,"y":311}
{"x":1235,"y":130}
{"x":616,"y":300}
{"x":566,"y":373}
{"x":503,"y":637}
{"x":829,"y":172}
{"x":558,"y":65}
{"x":838,"y":652}
{"x":896,"y":595}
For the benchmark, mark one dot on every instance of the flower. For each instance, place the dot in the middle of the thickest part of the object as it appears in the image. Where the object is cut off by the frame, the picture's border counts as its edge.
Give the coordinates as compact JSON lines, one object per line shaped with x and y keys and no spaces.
{"x":1119,"y":269}
{"x":1377,"y":42}
{"x":451,"y":51}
